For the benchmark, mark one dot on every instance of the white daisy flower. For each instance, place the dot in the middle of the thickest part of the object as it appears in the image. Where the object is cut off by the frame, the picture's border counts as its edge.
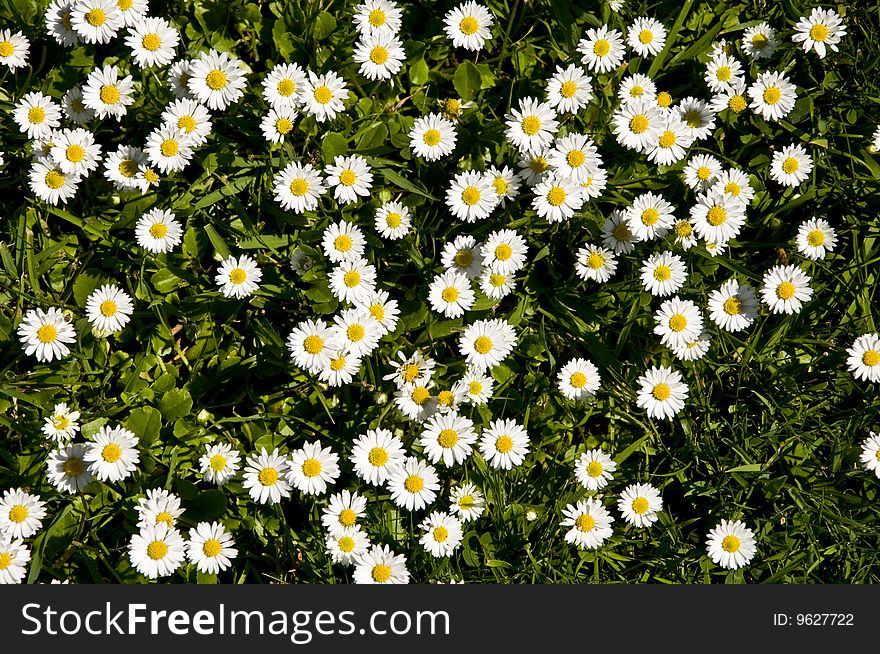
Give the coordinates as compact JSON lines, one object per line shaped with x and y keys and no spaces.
{"x":49,"y":183}
{"x":442,"y":534}
{"x":638,"y":124}
{"x":661,"y":392}
{"x":379,"y":565}
{"x":486,"y":343}
{"x":158,"y":231}
{"x":672,"y":142}
{"x":589,"y":522}
{"x":265,"y":477}
{"x":448,"y":437}
{"x":531,"y":127}
{"x":785,"y":289}
{"x":46,"y":334}
{"x":353,"y":281}
{"x":322,"y":95}
{"x":133,"y":11}
{"x":21,"y":514}
{"x":432,"y":137}
{"x":471,"y":197}
{"x":178,"y":79}
{"x":870,"y":456}
{"x":646,"y":36}
{"x":312,"y":343}
{"x":453,"y":108}
{"x":791,"y":166}
{"x":663,"y":273}
{"x":298,"y":187}
{"x":595,"y":183}
{"x":734,"y":306}
{"x":505,"y":251}
{"x":773,"y":95}
{"x":109,"y":308}
{"x":13,"y":49}
{"x":574,"y":156}
{"x":505,"y":182}
{"x":731,"y":98}
{"x":312,"y":468}
{"x":570,"y":89}
{"x":158,"y":506}
{"x":684,"y":234}
{"x":735,"y":183}
{"x":463,"y":255}
{"x":413,"y":484}
{"x":593,"y":469}
{"x":343,"y":241}
{"x":191,"y":118}
{"x":393,"y":220}
{"x":381,"y":56}
{"x":347,"y":545}
{"x":731,"y":544}
{"x":714,"y":249}
{"x":210,"y":547}
{"x":723,"y":72}
{"x":157,"y":551}
{"x":718,"y":217}
{"x":357,"y":332}
{"x":701,"y":171}
{"x":693,"y":350}
{"x":649,"y":217}
{"x":282,"y":85}
{"x":450,"y":294}
{"x":152,"y":42}
{"x":14,"y":557}
{"x":602,"y":49}
{"x":639,"y":504}
{"x":351,"y":178}
{"x":759,"y":41}
{"x":375,"y":454}
{"x":678,"y":322}
{"x":494,"y":284}
{"x":557,"y":198}
{"x":67,"y":470}
{"x":169,"y":148}
{"x":377,"y":17}
{"x":108,"y":94}
{"x":864,"y":358}
{"x":341,"y":368}
{"x":59,"y":22}
{"x":474,"y":387}
{"x":121,"y":167}
{"x":37,"y":115}
{"x":216,"y":79}
{"x":637,"y":87}
{"x":146,"y":177}
{"x":383,"y":309}
{"x":96,"y":21}
{"x":815,"y":238}
{"x":468,"y":25}
{"x":616,"y":234}
{"x":62,"y":424}
{"x":504,"y":444}
{"x":112,"y":455}
{"x":821,"y":30}
{"x":595,"y":263}
{"x":74,"y":108}
{"x":663,"y":102}
{"x":415,"y":369}
{"x":343,"y":511}
{"x":467,"y":502}
{"x":533,"y":166}
{"x":416,"y":402}
{"x":219,"y":464}
{"x":697,"y":116}
{"x":238,"y":277}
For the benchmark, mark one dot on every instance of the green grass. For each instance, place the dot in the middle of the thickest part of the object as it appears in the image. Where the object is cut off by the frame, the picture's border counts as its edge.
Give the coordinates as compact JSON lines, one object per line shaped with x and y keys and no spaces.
{"x":771,"y":430}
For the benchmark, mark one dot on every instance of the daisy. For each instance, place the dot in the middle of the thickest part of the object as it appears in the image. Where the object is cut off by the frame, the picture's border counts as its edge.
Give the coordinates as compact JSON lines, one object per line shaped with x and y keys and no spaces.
{"x":74,"y":108}
{"x":300,"y":261}
{"x":505,"y":182}
{"x":96,"y":21}
{"x":471,"y":197}
{"x":343,"y":511}
{"x":353,"y":281}
{"x":375,"y":454}
{"x":216,"y":79}
{"x":265,"y":477}
{"x":637,"y":87}
{"x":693,"y":350}
{"x":701,"y":171}
{"x":731,"y":544}
{"x":152,"y":42}
{"x":468,"y":25}
{"x":108,"y":94}
{"x":505,"y":250}
{"x":59,"y":22}
{"x":717,"y":217}
{"x":62,"y":425}
{"x":238,"y":277}
{"x":773,"y":95}
{"x":663,"y":274}
{"x":46,"y":334}
{"x":13,"y":49}
{"x":638,"y":124}
{"x":530,"y":128}
{"x":467,"y":502}
{"x":593,"y":469}
{"x":463,"y":255}
{"x":646,"y":36}
{"x":735,"y":183}
{"x":684,"y":234}
{"x":759,"y":41}
{"x":649,"y":217}
{"x":343,"y":241}
{"x":791,"y":165}
{"x":282,"y":85}
{"x":191,"y":118}
{"x":169,"y":148}
{"x":533,"y":166}
{"x":37,"y":115}
{"x":158,"y":506}
{"x":448,"y":437}
{"x":14,"y":556}
{"x":442,"y":534}
{"x":384,"y":310}
{"x":595,"y":183}
{"x":864,"y":358}
{"x":697,"y":116}
{"x":678,"y":322}
{"x":312,"y":468}
{"x":569,"y":90}
{"x":133,"y":11}
{"x":178,"y":79}
{"x":377,"y":17}
{"x":210,"y":547}
{"x":109,"y":308}
{"x":356,"y":332}
{"x":504,"y":444}
{"x":474,"y":387}
{"x":219,"y":464}
{"x":322,"y":95}
{"x":415,"y":369}
{"x":734,"y":306}
{"x":51,"y":184}
{"x":823,"y":27}
{"x":664,"y":102}
{"x":347,"y":545}
{"x":714,"y":249}
{"x":158,"y":231}
{"x":450,"y":293}
{"x":661,"y":392}
{"x":393,"y":220}
{"x":595,"y":263}
{"x":413,"y":484}
{"x":298,"y":187}
{"x":341,"y":368}
{"x":381,"y":56}
{"x":875,"y":139}
{"x":590,"y":523}
{"x":21,"y":514}
{"x":432,"y":137}
{"x":157,"y":550}
{"x":723,"y":72}
{"x":815,"y":238}
{"x":494,"y":284}
{"x":121,"y":167}
{"x":639,"y":504}
{"x":112,"y":455}
{"x":379,"y":565}
{"x":671,"y":143}
{"x":453,"y":108}
{"x":351,"y":178}
{"x":67,"y":470}
{"x":146,"y":177}
{"x":557,"y":198}
{"x":485,"y":343}
{"x":602,"y":49}
{"x":578,"y":380}
{"x":574,"y":156}
{"x":870,"y":455}
{"x":785,"y":288}
{"x":616,"y":234}
{"x":448,"y":400}
{"x":732,"y":98}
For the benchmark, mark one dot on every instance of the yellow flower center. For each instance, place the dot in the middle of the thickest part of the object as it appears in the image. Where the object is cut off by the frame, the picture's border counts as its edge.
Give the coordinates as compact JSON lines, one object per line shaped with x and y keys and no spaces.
{"x":237,"y":276}
{"x":871,"y":358}
{"x":736,"y":103}
{"x":475,"y":388}
{"x":640,"y":505}
{"x":504,"y":444}
{"x":151,"y":176}
{"x":283,"y":125}
{"x":355,"y":333}
{"x":74,"y":467}
{"x":441,"y":534}
{"x":662,"y":273}
{"x":661,"y":392}
{"x":531,"y":125}
{"x":411,"y":372}
{"x":723,"y":74}
{"x":683,"y":229}
{"x":109,"y":94}
{"x":323,"y":95}
{"x":347,"y":177}
{"x":420,"y":395}
{"x":346,"y":544}
{"x":342,"y":243}
{"x":347,"y":517}
{"x":677,"y":322}
{"x":352,"y":278}
{"x":578,"y":380}
{"x":61,"y":423}
{"x":431,"y":137}
{"x":36,"y":115}
{"x":575,"y":158}
{"x":413,"y":484}
{"x":211,"y":547}
{"x":299,"y":187}
{"x":377,"y":311}
{"x":731,"y":544}
{"x":452,"y":106}
{"x":594,"y":469}
{"x":636,"y":91}
{"x":5,"y":560}
{"x":816,"y":237}
{"x":151,"y":42}
{"x":286,"y":88}
{"x":595,"y":261}
{"x":760,"y":41}
{"x":216,"y":79}
{"x":111,"y":453}
{"x":108,"y":308}
{"x":650,"y":216}
{"x":75,"y":153}
{"x":449,"y":294}
{"x":790,"y":165}
{"x":96,"y":17}
{"x":601,"y":47}
{"x":166,"y":518}
{"x":47,"y":334}
{"x":313,"y":344}
{"x":483,"y":344}
{"x":186,"y":123}
{"x":785,"y":290}
{"x":124,"y":5}
{"x":157,"y":550}
{"x":638,"y":123}
{"x":703,"y":173}
{"x":381,"y":573}
{"x":268,"y":476}
{"x":664,"y":99}
{"x":447,"y":438}
{"x":377,"y":18}
{"x":538,"y":165}
{"x":393,"y":220}
{"x":468,"y":25}
{"x":470,"y":196}
{"x":733,"y":306}
{"x":445,"y":398}
{"x":218,"y":463}
{"x":497,"y":280}
{"x":667,"y":140}
{"x":503,"y":252}
{"x":18,"y":513}
{"x":377,"y":456}
{"x":337,"y":364}
{"x":568,"y":89}
{"x":716,"y":216}
{"x":585,"y":522}
{"x":818,"y":32}
{"x":6,"y":48}
{"x":379,"y":55}
{"x":464,"y":258}
{"x":693,"y":119}
{"x":169,"y":148}
{"x":54,"y":179}
{"x":621,"y":232}
{"x":646,"y":36}
{"x":556,"y":196}
{"x":772,"y":95}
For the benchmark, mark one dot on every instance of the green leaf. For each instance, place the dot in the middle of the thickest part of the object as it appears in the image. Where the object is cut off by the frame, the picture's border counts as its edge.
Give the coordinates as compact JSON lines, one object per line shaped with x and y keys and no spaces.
{"x":217,"y":241}
{"x":145,"y":422}
{"x":325,"y":25}
{"x":175,"y":404}
{"x":392,"y":177}
{"x":281,"y":37}
{"x":467,"y":80}
{"x":418,"y":72}
{"x":208,"y":505}
{"x":86,"y":282}
{"x":333,"y":145}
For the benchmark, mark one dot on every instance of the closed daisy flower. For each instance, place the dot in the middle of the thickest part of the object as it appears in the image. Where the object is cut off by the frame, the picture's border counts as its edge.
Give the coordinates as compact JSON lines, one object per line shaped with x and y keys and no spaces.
{"x":322,"y":95}
{"x":864,"y":358}
{"x":343,"y":511}
{"x":353,"y":281}
{"x":157,"y":551}
{"x":820,"y":31}
{"x":442,"y":534}
{"x":734,"y":306}
{"x":393,"y":220}
{"x":21,"y":514}
{"x":299,"y":187}
{"x":639,"y":504}
{"x":46,"y":334}
{"x":62,"y":424}
{"x":112,"y":455}
{"x":379,"y":565}
{"x":570,"y":89}
{"x":169,"y":148}
{"x":661,"y":392}
{"x":759,"y":41}
{"x":616,"y":234}
{"x":37,"y":115}
{"x":67,"y":470}
{"x":578,"y":380}
{"x":471,"y":197}
{"x":467,"y":502}
{"x":785,"y":289}
{"x":718,"y":217}
{"x":646,"y":36}
{"x":504,"y":444}
{"x":723,"y":72}
{"x":210,"y":547}
{"x":351,"y":177}
{"x":731,"y":544}
{"x":531,"y":127}
{"x":109,"y":308}
{"x":593,"y":469}
{"x":773,"y":95}
{"x":381,"y":56}
{"x":312,"y":468}
{"x":238,"y":277}
{"x":663,"y":273}
{"x":595,"y":263}
{"x":347,"y":545}
{"x":152,"y":42}
{"x":191,"y":118}
{"x":377,"y":17}
{"x":108,"y":94}
{"x":450,"y":293}
{"x":216,"y":79}
{"x":468,"y":25}
{"x":432,"y":137}
{"x":158,"y":231}
{"x":13,"y":49}
{"x":791,"y":165}
{"x":219,"y":464}
{"x":375,"y":454}
{"x":638,"y":124}
{"x":602,"y":49}
{"x":448,"y":437}
{"x":282,"y":85}
{"x":870,"y":456}
{"x":557,"y":198}
{"x":178,"y":79}
{"x":14,"y":557}
{"x":684,"y":234}
{"x":589,"y":522}
{"x":265,"y":477}
{"x":486,"y":343}
{"x":701,"y":171}
{"x":678,"y":322}
{"x":413,"y":484}
{"x":636,"y":87}
{"x":343,"y":241}
{"x":815,"y":238}
{"x":96,"y":21}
